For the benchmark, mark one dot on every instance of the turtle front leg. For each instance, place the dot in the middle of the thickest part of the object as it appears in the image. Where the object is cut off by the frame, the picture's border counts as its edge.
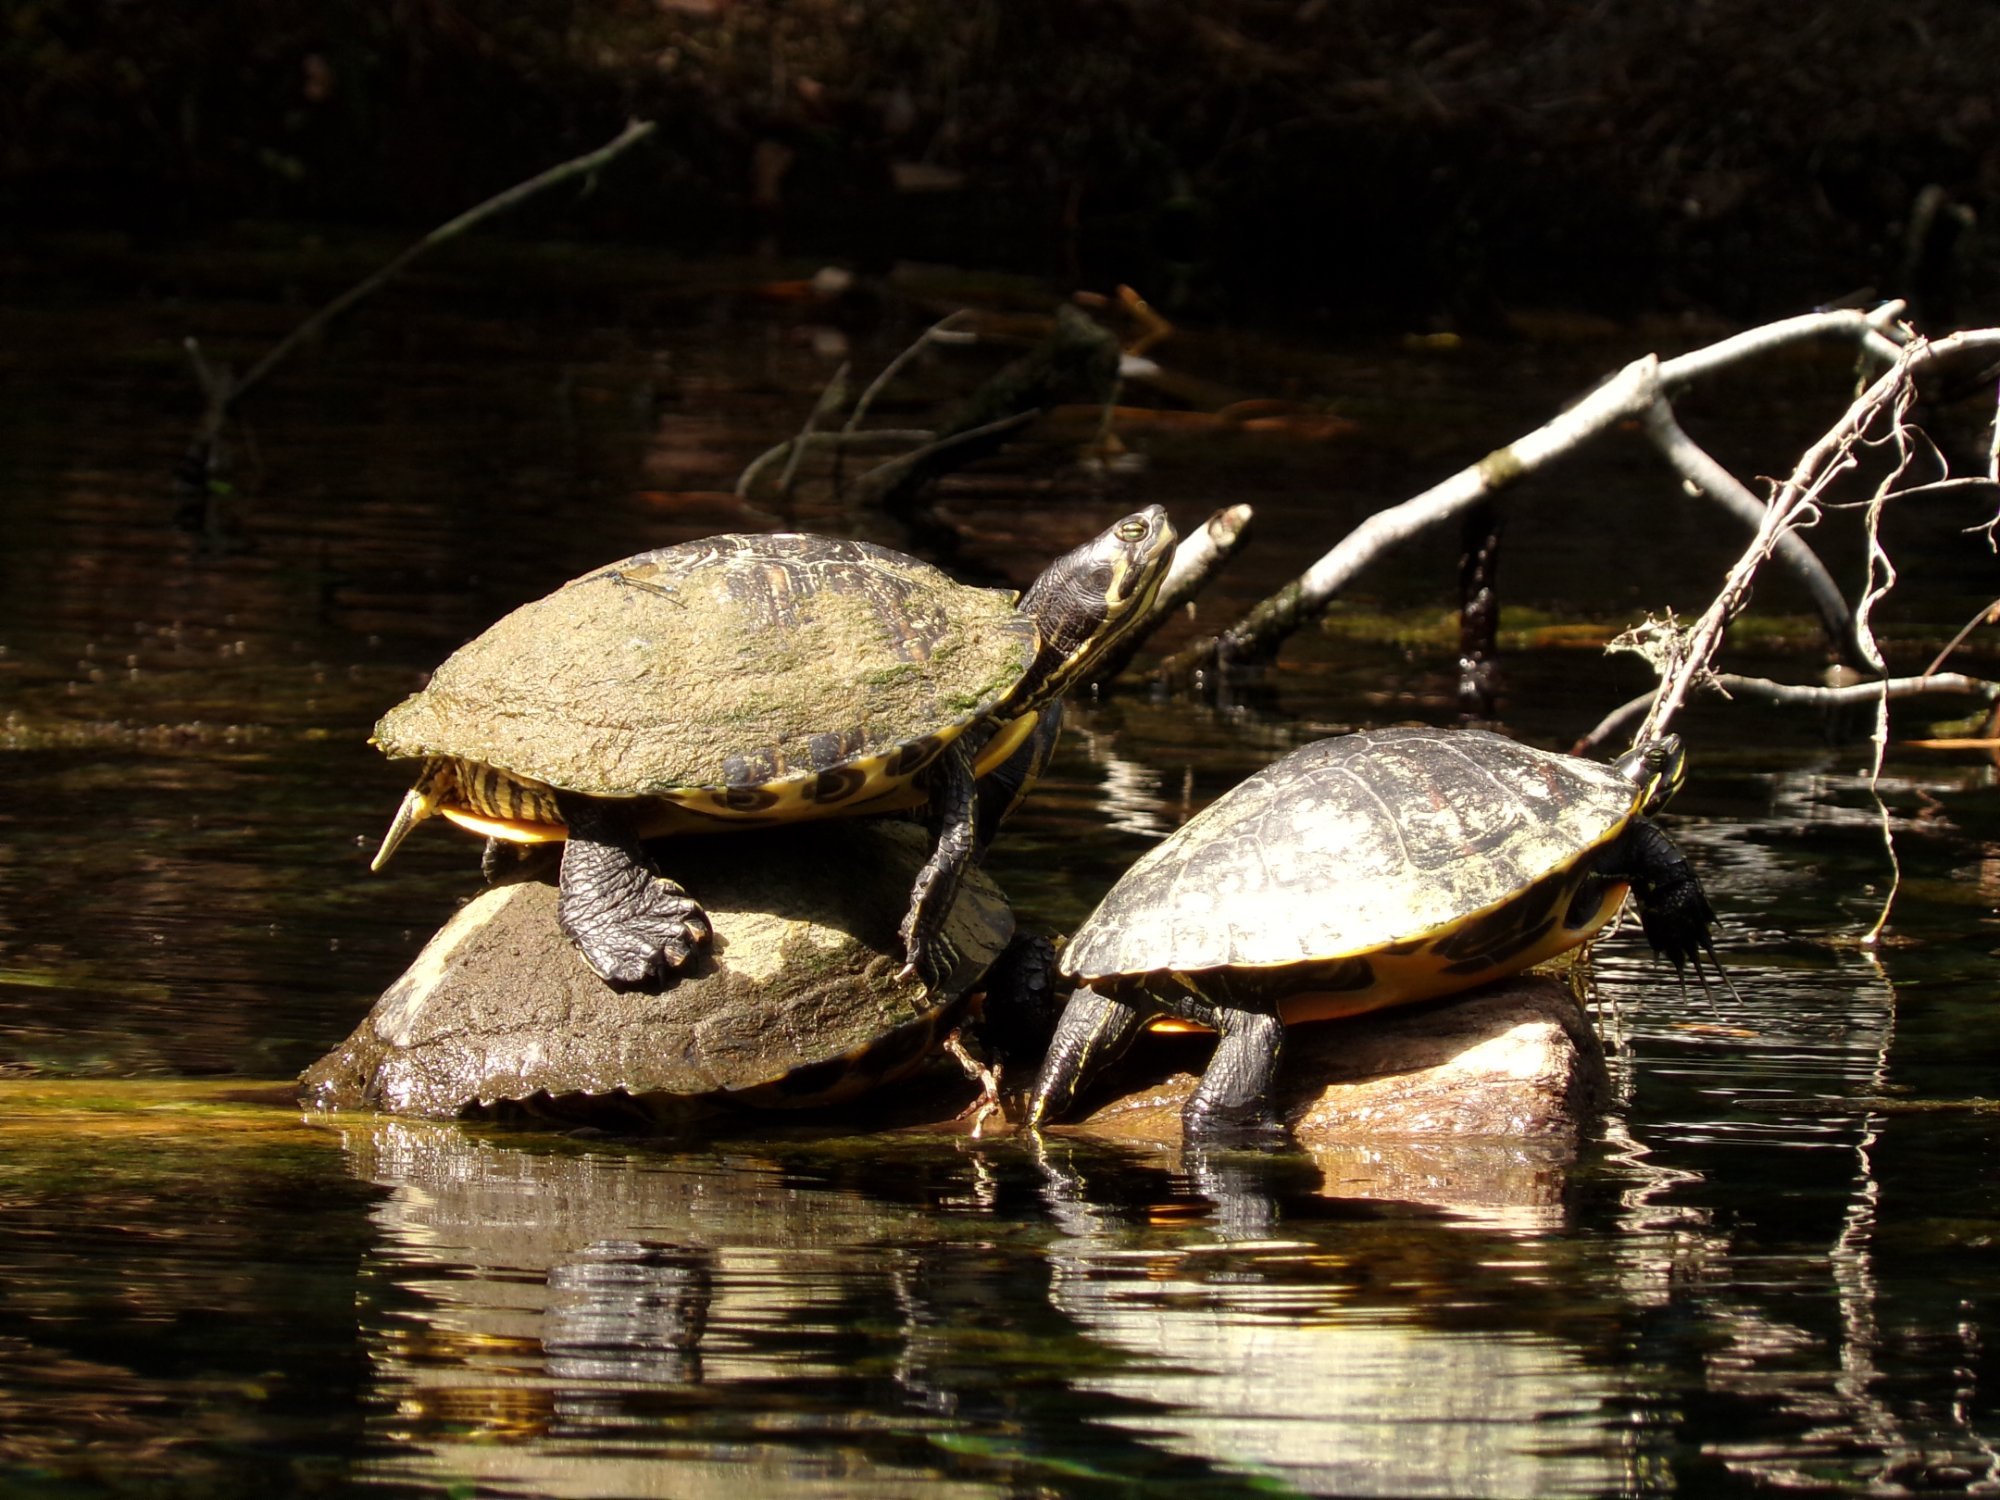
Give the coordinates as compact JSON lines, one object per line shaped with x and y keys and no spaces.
{"x":954,"y":801}
{"x":1673,"y":909}
{"x":1003,"y":788}
{"x":1094,"y":1031}
{"x":629,"y":923}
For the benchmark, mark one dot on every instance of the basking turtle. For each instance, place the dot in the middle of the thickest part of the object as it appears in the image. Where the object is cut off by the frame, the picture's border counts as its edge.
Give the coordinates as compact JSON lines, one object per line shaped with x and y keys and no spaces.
{"x":1359,"y":872}
{"x":746,"y":680}
{"x":797,"y":1001}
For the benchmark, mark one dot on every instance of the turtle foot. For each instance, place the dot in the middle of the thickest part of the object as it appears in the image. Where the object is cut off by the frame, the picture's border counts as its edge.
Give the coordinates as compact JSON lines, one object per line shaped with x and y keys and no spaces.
{"x":654,"y":931}
{"x":1258,"y":1128}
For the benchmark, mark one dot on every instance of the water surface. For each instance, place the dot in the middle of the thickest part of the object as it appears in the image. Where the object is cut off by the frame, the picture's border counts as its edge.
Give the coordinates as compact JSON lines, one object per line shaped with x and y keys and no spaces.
{"x":1770,"y":1269}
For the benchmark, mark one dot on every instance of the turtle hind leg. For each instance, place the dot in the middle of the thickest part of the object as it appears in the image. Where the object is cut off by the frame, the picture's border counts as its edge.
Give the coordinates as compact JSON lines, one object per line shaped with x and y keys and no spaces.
{"x":630,"y":924}
{"x":1232,"y":1103}
{"x":1021,"y":1010}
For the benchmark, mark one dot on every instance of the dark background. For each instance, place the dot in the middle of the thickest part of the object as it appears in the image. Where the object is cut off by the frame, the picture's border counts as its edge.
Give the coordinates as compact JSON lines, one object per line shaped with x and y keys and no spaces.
{"x":1356,"y":162}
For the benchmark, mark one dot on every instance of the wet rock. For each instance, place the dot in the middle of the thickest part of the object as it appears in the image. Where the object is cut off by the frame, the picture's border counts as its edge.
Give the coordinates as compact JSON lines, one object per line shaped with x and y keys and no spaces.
{"x":797,"y":998}
{"x":797,"y":1002}
{"x":1514,"y":1062}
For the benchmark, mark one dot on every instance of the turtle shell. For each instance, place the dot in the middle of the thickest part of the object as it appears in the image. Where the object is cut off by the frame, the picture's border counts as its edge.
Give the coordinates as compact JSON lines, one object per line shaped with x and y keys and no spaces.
{"x":731,"y":662}
{"x":1392,"y":864}
{"x":797,"y":1000}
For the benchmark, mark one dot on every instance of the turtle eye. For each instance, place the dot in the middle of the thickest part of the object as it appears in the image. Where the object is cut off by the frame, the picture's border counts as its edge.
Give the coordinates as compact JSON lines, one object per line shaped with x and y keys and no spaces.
{"x":1131,"y":531}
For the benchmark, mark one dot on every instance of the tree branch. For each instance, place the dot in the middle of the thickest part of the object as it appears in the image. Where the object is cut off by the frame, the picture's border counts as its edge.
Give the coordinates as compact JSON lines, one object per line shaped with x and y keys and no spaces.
{"x":1631,"y":394}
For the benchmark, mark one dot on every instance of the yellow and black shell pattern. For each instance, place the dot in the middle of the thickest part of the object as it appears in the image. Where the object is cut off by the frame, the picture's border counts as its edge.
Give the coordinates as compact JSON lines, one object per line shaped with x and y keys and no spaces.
{"x":764,"y":676}
{"x":1368,"y":870}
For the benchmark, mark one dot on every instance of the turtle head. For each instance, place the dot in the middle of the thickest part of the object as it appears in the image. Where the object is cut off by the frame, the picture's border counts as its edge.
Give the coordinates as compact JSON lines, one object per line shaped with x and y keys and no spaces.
{"x":1088,"y":599}
{"x":1657,"y":768}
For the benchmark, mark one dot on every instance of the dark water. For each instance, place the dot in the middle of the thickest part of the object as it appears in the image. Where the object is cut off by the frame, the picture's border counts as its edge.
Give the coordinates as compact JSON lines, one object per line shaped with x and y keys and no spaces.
{"x":1771,"y":1269}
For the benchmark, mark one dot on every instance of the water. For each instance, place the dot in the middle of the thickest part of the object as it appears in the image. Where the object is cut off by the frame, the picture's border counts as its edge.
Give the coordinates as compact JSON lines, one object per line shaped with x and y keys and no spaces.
{"x":1772,"y":1268}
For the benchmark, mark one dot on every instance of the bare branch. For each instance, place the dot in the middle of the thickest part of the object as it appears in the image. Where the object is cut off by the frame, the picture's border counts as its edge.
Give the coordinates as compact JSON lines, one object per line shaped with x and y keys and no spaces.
{"x":222,"y":395}
{"x":1875,"y":331}
{"x":1640,"y":388}
{"x":1990,"y":615}
{"x":1796,"y":499}
{"x":1624,"y":396}
{"x":830,"y":400}
{"x":1849,"y":695}
{"x":870,"y":437}
{"x":1704,"y":475}
{"x":931,"y":335}
{"x":1800,"y":695}
{"x":1200,"y":556}
{"x":634,"y":132}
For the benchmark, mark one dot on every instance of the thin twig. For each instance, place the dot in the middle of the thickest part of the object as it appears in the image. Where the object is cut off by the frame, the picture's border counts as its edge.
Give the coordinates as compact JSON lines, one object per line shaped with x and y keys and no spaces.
{"x":1881,"y":579}
{"x":1828,"y":458}
{"x":1989,"y":615}
{"x":873,"y":437}
{"x":634,"y":132}
{"x":1710,"y":478}
{"x":891,"y":370}
{"x":830,"y":401}
{"x":884,"y":475}
{"x":1801,"y":495}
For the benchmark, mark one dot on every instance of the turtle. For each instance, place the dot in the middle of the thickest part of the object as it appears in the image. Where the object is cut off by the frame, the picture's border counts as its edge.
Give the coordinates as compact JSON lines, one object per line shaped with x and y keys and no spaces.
{"x":756,"y":679}
{"x":797,"y":1002}
{"x":1363,"y":871}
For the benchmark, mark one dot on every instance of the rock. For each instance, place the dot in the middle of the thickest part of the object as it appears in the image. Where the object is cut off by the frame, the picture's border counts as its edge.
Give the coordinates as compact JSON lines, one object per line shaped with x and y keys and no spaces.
{"x":1476,"y":1100}
{"x":796,"y":1000}
{"x":1516,"y":1061}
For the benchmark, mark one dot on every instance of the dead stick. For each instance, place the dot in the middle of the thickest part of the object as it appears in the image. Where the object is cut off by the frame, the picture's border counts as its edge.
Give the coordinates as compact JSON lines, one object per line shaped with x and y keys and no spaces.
{"x":1799,"y":695}
{"x":1626,"y":396}
{"x":1704,"y":475}
{"x":227,"y":393}
{"x":1199,"y":557}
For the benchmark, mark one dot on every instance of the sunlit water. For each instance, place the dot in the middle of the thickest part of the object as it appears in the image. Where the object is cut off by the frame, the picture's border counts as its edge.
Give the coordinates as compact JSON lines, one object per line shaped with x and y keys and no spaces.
{"x":1772,"y":1267}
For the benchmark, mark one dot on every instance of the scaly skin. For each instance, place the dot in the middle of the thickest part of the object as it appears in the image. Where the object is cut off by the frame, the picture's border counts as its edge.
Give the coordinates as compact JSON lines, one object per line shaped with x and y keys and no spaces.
{"x":630,"y":924}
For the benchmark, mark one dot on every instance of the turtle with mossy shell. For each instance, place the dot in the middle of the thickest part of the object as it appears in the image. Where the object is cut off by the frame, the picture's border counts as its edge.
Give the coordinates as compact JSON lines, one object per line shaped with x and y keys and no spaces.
{"x":1359,"y":872}
{"x":748,"y":680}
{"x":797,"y":1002}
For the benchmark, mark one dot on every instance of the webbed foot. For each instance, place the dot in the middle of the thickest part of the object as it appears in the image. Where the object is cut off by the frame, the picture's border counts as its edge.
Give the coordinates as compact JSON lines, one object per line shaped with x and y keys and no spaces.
{"x":652,"y":931}
{"x":630,"y":924}
{"x":1257,"y":1126}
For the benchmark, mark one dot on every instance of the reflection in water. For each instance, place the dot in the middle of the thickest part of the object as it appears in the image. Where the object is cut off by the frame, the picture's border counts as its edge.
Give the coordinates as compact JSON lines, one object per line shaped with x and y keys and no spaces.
{"x":1271,"y":1368}
{"x":628,"y":1310}
{"x":597,"y":1322}
{"x":1807,"y":1341}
